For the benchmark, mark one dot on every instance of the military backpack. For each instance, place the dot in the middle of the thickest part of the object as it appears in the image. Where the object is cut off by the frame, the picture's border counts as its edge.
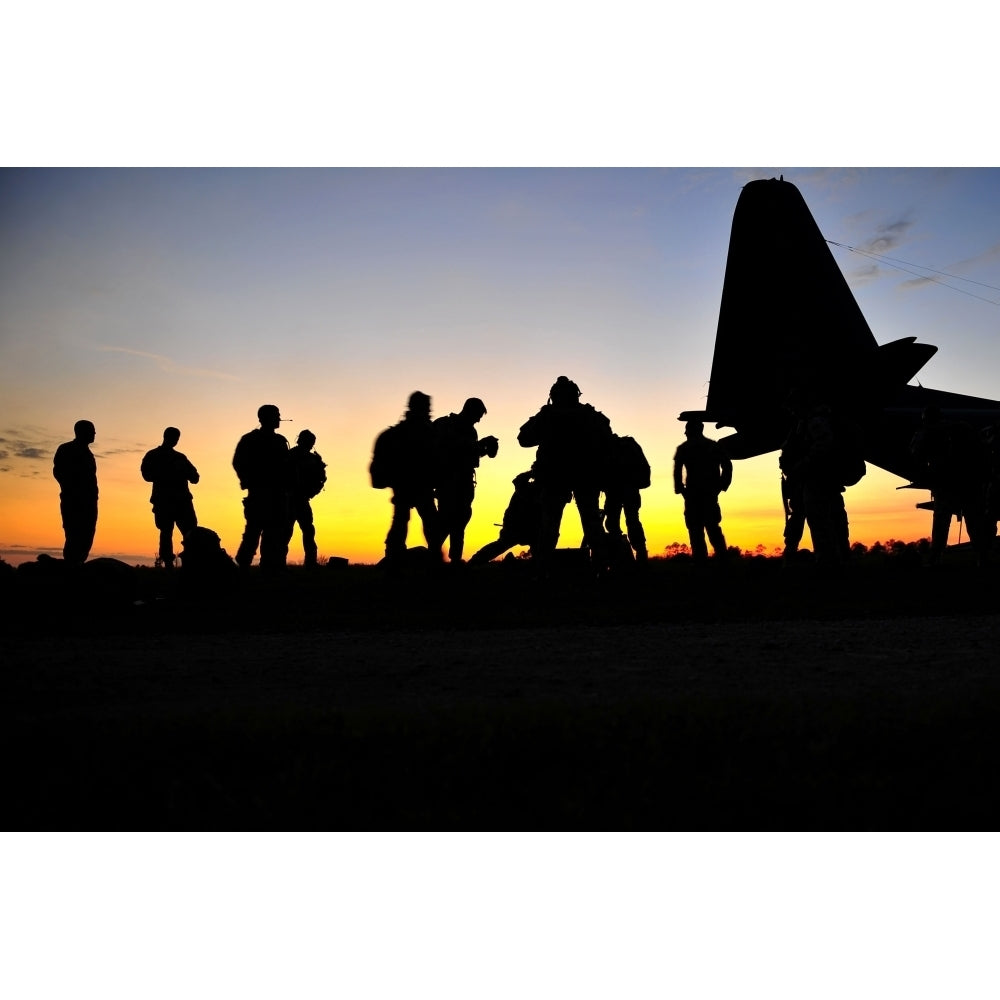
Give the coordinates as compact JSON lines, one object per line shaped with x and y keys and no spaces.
{"x":384,"y":468}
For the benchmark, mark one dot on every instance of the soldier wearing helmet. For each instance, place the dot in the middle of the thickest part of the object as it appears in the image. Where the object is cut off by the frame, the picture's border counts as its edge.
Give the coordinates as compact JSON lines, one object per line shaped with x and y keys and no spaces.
{"x":574,"y":443}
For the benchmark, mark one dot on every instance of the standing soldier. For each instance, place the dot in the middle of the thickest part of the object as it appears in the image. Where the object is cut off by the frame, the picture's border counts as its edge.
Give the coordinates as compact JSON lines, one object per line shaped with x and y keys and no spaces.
{"x":822,"y":456}
{"x":628,"y":474}
{"x":306,"y":477}
{"x":261,"y":462}
{"x":458,"y":451}
{"x":791,"y":463}
{"x":955,"y":461}
{"x":574,"y":445}
{"x":991,"y":437}
{"x":709,"y":472}
{"x":404,"y":460}
{"x":170,"y":472}
{"x":75,"y":469}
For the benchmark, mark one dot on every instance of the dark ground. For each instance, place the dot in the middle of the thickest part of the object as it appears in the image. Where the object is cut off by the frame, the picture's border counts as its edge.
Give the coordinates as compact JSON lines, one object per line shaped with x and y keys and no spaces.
{"x":749,"y":696}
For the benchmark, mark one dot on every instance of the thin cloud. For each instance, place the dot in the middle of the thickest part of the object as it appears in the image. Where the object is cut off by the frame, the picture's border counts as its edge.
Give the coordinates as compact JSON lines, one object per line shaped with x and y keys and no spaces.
{"x":880,"y":238}
{"x":942,"y":275}
{"x":866,"y":273}
{"x":169,"y":365}
{"x":27,"y":444}
{"x":888,"y":236}
{"x":987,"y":256}
{"x":24,"y":449}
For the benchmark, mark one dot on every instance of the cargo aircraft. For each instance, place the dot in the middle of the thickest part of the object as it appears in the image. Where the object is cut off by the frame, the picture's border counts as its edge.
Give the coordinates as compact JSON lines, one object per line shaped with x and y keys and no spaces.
{"x":789,"y":323}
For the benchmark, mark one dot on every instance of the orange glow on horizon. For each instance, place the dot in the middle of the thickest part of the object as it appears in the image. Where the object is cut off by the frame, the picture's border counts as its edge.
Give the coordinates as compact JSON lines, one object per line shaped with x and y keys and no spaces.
{"x":352,"y":518}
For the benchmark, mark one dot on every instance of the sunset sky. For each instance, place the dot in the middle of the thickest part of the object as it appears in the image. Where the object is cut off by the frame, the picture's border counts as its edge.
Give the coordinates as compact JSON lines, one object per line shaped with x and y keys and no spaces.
{"x":142,"y":298}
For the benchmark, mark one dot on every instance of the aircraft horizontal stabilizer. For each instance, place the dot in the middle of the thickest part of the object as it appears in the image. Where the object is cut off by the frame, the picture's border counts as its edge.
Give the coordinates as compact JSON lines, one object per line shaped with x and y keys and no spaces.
{"x":897,"y":362}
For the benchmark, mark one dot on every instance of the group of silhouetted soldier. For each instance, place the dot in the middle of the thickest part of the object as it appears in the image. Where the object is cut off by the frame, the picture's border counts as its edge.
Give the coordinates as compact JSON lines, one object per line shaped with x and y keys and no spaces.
{"x":280,"y":483}
{"x":961,"y":468}
{"x":430,"y":466}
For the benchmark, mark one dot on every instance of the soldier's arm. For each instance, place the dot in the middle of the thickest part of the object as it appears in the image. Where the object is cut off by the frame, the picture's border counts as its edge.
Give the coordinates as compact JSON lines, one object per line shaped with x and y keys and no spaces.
{"x":678,"y":473}
{"x":528,"y":435}
{"x":727,"y":470}
{"x":239,"y":462}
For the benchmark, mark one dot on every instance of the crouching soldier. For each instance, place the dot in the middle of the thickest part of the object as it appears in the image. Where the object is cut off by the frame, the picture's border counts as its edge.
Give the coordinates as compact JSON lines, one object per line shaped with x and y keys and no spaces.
{"x":521,"y":520}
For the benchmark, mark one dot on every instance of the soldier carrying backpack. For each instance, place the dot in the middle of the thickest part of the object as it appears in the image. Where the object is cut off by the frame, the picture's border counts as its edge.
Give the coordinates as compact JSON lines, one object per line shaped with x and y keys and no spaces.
{"x":306,"y":477}
{"x":628,"y":473}
{"x":404,"y":460}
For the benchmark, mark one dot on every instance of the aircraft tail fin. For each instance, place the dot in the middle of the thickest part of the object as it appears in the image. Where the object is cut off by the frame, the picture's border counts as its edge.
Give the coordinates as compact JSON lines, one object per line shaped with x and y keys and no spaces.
{"x":788,"y":319}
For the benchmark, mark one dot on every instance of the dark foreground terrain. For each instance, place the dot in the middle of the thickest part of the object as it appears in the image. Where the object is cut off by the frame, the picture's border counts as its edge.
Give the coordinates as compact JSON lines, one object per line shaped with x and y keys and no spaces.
{"x":749,"y":696}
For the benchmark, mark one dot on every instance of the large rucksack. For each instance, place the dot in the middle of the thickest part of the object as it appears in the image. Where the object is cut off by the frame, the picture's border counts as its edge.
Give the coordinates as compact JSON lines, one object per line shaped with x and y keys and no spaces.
{"x":313,"y":475}
{"x":632,"y":462}
{"x":384,"y":468}
{"x":849,"y":453}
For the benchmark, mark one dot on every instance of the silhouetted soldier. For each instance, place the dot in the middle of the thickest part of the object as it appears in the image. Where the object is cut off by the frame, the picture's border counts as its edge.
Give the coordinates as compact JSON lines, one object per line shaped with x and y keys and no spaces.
{"x":206,"y":568}
{"x":521,"y":519}
{"x":574,"y":444}
{"x":794,"y":503}
{"x":702,"y":470}
{"x":459,"y":450}
{"x":955,"y":465}
{"x":991,"y":437}
{"x":306,"y":477}
{"x":790,"y":461}
{"x":75,"y":469}
{"x":628,"y":473}
{"x":261,"y":462}
{"x":170,"y":472}
{"x":822,"y":456}
{"x":405,"y":460}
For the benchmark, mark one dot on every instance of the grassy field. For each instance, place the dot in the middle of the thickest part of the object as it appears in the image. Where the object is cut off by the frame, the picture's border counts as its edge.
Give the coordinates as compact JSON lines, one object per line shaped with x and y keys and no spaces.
{"x":742,"y":696}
